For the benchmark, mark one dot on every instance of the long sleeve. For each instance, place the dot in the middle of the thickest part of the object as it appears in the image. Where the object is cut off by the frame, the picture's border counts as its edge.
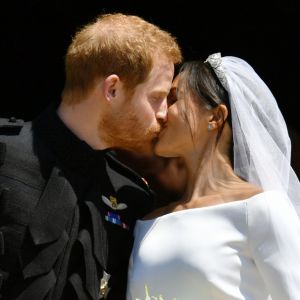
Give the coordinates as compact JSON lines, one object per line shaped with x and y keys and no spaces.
{"x":274,"y":238}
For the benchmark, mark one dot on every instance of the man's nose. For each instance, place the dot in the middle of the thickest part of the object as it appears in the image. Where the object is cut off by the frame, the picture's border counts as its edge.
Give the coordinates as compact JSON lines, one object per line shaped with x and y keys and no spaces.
{"x":162,"y":113}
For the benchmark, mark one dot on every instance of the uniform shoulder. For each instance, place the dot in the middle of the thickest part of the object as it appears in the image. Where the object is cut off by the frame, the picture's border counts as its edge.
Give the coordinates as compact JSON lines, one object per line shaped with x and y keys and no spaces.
{"x":14,"y":136}
{"x":10,"y":126}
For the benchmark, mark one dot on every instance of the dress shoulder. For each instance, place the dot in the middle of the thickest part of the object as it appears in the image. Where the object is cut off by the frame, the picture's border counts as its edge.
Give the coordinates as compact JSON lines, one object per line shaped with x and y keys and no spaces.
{"x":273,"y":237}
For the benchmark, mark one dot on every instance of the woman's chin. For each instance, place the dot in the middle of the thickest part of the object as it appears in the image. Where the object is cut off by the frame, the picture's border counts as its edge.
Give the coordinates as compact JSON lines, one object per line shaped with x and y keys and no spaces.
{"x":161,"y":150}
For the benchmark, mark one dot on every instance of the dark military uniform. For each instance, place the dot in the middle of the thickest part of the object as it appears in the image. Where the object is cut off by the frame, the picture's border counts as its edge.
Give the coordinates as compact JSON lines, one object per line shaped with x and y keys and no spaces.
{"x":67,"y":214}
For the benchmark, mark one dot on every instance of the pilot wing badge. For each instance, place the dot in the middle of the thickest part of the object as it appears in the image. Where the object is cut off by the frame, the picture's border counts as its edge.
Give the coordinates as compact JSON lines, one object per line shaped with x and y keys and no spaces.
{"x":113,"y":203}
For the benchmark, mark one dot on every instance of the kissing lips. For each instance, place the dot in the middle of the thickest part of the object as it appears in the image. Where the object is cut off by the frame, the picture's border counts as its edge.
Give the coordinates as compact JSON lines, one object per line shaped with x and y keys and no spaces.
{"x":158,"y":135}
{"x":161,"y":133}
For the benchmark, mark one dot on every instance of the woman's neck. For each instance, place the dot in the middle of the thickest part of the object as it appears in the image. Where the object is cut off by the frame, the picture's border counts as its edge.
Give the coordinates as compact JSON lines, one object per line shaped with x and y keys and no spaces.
{"x":209,"y":174}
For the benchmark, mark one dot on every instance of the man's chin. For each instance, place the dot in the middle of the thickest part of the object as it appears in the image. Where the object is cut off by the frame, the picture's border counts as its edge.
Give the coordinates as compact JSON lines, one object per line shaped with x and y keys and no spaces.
{"x":143,"y":146}
{"x":146,"y":148}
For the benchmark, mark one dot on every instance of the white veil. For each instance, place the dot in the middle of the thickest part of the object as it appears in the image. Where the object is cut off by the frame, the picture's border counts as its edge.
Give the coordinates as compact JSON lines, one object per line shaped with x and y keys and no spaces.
{"x":262,"y":146}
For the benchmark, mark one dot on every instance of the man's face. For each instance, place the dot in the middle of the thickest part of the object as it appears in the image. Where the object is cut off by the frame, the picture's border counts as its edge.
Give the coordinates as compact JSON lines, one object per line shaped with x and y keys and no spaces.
{"x":135,"y":123}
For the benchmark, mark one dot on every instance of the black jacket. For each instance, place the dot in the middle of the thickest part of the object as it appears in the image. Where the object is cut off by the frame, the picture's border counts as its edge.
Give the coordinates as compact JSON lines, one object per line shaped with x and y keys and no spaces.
{"x":67,"y":213}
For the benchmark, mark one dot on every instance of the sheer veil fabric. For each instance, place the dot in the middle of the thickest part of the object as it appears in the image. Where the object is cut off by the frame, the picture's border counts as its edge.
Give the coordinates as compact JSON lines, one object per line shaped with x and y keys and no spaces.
{"x":262,"y":147}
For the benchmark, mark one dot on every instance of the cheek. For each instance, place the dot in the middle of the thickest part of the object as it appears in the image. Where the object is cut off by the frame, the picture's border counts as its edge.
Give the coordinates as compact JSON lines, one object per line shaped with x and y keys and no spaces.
{"x":141,"y":104}
{"x":146,"y":113}
{"x":138,"y":110}
{"x":179,"y":118}
{"x":178,"y":127}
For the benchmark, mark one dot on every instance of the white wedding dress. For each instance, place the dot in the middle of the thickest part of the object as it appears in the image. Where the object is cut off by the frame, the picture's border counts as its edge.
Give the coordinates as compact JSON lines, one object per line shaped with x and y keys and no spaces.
{"x":246,"y":249}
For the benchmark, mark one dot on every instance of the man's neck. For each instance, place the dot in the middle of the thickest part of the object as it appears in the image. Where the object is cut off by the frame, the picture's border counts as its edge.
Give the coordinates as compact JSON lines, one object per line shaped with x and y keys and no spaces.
{"x":82,"y":119}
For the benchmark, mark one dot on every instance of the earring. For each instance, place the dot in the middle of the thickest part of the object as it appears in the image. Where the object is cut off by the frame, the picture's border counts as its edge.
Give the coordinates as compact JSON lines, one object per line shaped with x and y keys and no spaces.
{"x":210,"y":126}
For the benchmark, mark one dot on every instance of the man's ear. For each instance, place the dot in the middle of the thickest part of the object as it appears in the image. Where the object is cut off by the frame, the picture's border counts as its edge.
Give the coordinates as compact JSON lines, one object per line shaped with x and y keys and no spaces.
{"x":110,"y":86}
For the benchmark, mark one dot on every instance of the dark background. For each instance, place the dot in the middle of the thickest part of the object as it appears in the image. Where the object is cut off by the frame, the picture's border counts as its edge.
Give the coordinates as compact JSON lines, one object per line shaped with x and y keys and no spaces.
{"x":35,"y":35}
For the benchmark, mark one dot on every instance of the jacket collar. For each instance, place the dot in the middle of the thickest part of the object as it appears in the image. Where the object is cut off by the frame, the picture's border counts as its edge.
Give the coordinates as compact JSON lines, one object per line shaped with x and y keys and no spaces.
{"x":66,"y":146}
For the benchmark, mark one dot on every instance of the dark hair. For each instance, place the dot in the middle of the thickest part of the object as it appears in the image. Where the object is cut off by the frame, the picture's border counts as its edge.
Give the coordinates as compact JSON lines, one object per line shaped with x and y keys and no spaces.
{"x":199,"y":79}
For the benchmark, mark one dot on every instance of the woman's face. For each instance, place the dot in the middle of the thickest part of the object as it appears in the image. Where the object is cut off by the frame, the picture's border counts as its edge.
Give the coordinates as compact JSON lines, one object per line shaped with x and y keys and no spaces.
{"x":185,"y":124}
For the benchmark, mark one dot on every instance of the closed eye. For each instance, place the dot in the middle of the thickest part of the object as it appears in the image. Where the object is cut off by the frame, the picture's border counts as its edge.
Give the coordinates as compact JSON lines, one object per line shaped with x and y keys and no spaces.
{"x":158,"y":96}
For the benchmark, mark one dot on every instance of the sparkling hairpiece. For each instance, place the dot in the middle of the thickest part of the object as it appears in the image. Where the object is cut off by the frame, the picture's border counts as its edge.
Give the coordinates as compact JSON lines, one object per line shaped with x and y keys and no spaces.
{"x":215,"y":60}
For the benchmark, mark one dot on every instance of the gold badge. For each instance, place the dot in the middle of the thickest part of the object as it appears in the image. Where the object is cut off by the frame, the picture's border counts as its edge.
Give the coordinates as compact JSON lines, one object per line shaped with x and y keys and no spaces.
{"x":104,"y":288}
{"x":113,"y":203}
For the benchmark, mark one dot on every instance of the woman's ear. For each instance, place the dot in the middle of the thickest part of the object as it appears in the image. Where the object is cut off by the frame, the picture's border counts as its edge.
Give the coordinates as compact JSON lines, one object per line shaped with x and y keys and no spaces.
{"x":217,"y":117}
{"x":110,"y":86}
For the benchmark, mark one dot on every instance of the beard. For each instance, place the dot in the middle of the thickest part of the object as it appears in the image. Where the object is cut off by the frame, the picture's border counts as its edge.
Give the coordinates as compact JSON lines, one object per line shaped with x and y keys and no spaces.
{"x":130,"y":132}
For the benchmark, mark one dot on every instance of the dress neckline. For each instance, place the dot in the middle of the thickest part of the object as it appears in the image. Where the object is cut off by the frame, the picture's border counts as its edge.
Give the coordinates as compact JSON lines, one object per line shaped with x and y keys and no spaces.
{"x":204,"y":208}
